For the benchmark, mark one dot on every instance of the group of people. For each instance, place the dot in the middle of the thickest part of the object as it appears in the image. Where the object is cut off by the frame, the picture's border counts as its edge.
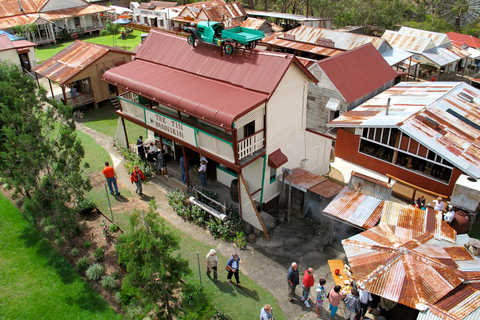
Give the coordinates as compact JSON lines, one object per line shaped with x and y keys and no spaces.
{"x":153,"y":155}
{"x":439,"y":205}
{"x":233,"y":266}
{"x":357,"y":301}
{"x":202,"y":169}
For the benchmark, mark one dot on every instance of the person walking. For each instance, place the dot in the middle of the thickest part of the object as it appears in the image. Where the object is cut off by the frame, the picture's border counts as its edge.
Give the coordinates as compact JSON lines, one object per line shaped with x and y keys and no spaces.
{"x":266,"y":312}
{"x":334,"y":297}
{"x":203,"y":173}
{"x":137,"y":177}
{"x":308,"y":282}
{"x":365,"y":299}
{"x":184,"y":171}
{"x":293,"y":280}
{"x":439,"y":204}
{"x":352,"y":304}
{"x":212,"y":261}
{"x":320,"y":297}
{"x":141,"y":148}
{"x":111,"y":177}
{"x":232,"y":267}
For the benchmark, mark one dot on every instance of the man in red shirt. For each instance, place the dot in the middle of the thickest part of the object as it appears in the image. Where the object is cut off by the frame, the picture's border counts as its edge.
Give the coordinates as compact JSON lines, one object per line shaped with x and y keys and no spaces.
{"x":137,"y":177}
{"x":111,"y":176}
{"x":308,"y":282}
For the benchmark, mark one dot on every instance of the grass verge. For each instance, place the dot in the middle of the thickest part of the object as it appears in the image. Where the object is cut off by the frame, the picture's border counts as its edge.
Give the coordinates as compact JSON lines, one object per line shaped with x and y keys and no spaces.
{"x":37,"y":282}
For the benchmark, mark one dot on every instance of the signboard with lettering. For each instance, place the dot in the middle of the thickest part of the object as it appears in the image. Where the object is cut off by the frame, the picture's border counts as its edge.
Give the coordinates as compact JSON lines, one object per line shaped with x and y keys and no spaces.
{"x":170,"y":126}
{"x":152,"y":13}
{"x":325,"y":43}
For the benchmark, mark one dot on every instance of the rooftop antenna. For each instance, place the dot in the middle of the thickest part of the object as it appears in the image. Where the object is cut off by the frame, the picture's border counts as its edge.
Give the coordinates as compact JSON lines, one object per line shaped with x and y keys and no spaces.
{"x":20,"y":5}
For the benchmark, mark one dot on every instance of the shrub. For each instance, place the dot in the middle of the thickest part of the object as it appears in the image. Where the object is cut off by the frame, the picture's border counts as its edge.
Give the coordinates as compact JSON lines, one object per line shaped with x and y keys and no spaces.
{"x":85,"y":206}
{"x":109,"y":283}
{"x":75,"y":252}
{"x":99,"y":254}
{"x":195,"y":302}
{"x":59,"y":240}
{"x":132,"y":159}
{"x":83,"y":263}
{"x":113,"y":227}
{"x":240,"y":240}
{"x":86,"y":245}
{"x":118,"y":297}
{"x":95,"y":272}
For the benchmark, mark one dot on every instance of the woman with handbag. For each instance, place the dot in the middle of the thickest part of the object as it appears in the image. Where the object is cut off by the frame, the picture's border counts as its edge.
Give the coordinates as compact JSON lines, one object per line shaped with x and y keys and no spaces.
{"x":232,"y":267}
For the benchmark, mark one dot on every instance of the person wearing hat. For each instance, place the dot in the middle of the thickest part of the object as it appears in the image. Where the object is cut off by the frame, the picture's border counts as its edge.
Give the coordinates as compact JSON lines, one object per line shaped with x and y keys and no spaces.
{"x":212,"y":261}
{"x":232,"y":267}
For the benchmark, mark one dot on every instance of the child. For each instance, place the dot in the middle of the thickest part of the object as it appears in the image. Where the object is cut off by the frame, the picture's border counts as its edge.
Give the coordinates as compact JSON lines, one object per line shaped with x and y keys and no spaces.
{"x":320,"y":292}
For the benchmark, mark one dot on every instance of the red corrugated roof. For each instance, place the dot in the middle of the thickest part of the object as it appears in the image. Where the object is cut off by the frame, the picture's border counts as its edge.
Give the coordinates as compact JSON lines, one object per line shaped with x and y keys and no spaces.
{"x":251,"y":69}
{"x":357,"y":72}
{"x":210,"y":100}
{"x":470,"y":41}
{"x":5,"y":43}
{"x":73,"y":60}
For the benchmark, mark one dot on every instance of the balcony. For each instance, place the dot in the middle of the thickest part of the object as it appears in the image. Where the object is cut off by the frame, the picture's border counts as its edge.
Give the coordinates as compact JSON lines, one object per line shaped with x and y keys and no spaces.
{"x":192,"y":131}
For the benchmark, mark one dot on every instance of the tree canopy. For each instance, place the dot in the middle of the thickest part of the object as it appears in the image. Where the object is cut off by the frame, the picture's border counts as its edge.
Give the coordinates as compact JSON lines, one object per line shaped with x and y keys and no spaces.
{"x":40,"y":155}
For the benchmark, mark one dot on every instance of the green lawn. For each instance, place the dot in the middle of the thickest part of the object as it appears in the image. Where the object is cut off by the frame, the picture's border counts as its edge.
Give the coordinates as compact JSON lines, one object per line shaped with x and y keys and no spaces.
{"x":107,"y":124}
{"x":37,"y":282}
{"x":133,"y":39}
{"x":239,"y":303}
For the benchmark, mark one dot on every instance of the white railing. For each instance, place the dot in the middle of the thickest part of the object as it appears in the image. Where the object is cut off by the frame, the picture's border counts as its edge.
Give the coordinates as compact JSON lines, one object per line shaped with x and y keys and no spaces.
{"x":130,"y":96}
{"x":251,"y":144}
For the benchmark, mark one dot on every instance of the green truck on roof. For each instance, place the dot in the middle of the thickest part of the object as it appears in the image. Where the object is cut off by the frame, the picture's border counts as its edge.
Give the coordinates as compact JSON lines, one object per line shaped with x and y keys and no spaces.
{"x":213,"y":32}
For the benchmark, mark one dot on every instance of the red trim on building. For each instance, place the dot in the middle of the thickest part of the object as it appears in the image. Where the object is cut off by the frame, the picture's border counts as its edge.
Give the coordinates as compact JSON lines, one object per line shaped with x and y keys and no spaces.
{"x":347,"y":149}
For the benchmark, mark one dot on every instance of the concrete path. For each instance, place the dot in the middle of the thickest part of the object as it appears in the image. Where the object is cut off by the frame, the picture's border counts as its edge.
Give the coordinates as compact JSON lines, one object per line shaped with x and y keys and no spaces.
{"x":265,"y":262}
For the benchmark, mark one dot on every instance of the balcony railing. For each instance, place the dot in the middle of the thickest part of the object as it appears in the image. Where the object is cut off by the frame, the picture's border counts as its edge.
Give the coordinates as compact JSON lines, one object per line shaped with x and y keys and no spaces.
{"x":251,"y":144}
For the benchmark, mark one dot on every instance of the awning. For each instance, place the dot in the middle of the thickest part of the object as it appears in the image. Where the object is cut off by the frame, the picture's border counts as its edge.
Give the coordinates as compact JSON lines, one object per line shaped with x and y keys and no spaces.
{"x":276,"y":159}
{"x":24,"y":50}
{"x":206,"y":99}
{"x":333,"y":104}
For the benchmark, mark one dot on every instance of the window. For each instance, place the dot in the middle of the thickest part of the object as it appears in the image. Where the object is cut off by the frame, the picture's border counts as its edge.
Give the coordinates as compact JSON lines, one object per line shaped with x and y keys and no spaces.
{"x":249,"y":129}
{"x":273,"y":175}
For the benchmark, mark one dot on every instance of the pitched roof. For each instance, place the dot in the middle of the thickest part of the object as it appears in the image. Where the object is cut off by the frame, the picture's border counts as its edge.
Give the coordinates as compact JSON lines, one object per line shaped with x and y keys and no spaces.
{"x":408,"y":42}
{"x":74,"y":59}
{"x":470,"y":41}
{"x":453,"y":105}
{"x":200,"y":81}
{"x":5,"y":43}
{"x":225,"y":11}
{"x":11,"y":7}
{"x":440,"y":39}
{"x":357,"y":72}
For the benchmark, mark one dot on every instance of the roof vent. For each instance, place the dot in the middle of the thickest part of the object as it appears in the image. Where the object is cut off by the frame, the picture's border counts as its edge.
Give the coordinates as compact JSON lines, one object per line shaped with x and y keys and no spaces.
{"x":432,"y":123}
{"x":465,"y":96}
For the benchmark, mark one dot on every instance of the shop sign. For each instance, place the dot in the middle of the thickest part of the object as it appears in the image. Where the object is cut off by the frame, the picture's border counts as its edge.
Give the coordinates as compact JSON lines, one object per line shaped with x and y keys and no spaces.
{"x":170,"y":126}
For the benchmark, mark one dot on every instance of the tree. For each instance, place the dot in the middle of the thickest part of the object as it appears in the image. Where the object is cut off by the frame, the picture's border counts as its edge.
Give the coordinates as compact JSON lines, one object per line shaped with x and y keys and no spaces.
{"x":154,"y":269}
{"x":25,"y":30}
{"x":112,"y":29}
{"x":40,"y":155}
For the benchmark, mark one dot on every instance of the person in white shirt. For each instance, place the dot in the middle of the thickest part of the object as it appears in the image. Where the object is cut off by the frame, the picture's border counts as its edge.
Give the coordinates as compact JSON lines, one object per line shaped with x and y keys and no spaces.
{"x":365,"y":299}
{"x":439,"y":205}
{"x":203,"y":173}
{"x":212,"y":261}
{"x":448,"y":217}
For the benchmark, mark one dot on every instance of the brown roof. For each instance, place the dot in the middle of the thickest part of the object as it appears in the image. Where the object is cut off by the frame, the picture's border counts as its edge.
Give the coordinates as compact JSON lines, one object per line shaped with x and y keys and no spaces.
{"x":11,"y":7}
{"x":74,"y":12}
{"x":255,"y":23}
{"x":74,"y":59}
{"x":276,"y":159}
{"x":225,"y":11}
{"x":163,"y":4}
{"x":10,"y":22}
{"x":402,"y":268}
{"x":5,"y":43}
{"x":457,"y":304}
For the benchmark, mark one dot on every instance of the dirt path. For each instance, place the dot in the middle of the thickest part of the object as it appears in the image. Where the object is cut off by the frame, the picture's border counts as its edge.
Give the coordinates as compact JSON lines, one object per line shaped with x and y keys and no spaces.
{"x":265,"y":262}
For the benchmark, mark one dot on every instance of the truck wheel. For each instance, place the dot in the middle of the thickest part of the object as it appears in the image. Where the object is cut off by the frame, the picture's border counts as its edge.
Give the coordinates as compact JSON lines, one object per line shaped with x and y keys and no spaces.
{"x":228,"y":48}
{"x":253,"y":44}
{"x":191,"y":40}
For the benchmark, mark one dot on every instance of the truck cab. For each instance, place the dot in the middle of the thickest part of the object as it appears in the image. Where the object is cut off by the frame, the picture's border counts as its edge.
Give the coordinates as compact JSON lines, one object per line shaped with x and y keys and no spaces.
{"x":210,"y":30}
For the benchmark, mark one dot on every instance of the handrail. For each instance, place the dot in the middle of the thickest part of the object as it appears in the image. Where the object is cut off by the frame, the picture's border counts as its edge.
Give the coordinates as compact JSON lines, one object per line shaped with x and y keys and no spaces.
{"x":390,"y":177}
{"x":251,"y":135}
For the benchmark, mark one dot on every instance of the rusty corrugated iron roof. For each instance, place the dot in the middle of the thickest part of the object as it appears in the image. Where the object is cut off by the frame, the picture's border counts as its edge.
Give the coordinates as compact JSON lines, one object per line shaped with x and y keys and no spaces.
{"x":408,"y":42}
{"x":327,"y":188}
{"x":11,"y":8}
{"x":73,"y":60}
{"x":457,"y":304}
{"x":370,"y":186}
{"x":277,"y":40}
{"x":342,"y":40}
{"x":74,"y":12}
{"x":402,"y":269}
{"x":440,"y":39}
{"x":255,"y":23}
{"x":355,"y":208}
{"x":453,"y":105}
{"x":5,"y":43}
{"x":416,"y":220}
{"x":358,"y":72}
{"x":10,"y":22}
{"x":225,"y":11}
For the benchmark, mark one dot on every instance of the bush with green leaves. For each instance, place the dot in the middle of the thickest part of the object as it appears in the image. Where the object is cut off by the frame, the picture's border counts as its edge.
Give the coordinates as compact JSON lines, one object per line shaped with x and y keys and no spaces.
{"x":95,"y":272}
{"x":99,"y":254}
{"x":83,"y":263}
{"x":113,"y":227}
{"x":196,"y":303}
{"x":86,"y":245}
{"x":85,"y":206}
{"x":118,"y":297}
{"x":109,"y":283}
{"x":132,"y":159}
{"x":75,"y":252}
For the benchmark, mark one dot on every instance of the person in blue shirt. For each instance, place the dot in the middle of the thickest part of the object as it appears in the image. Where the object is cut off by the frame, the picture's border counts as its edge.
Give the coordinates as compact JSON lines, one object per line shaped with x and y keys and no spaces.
{"x":232,"y":267}
{"x":266,"y":312}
